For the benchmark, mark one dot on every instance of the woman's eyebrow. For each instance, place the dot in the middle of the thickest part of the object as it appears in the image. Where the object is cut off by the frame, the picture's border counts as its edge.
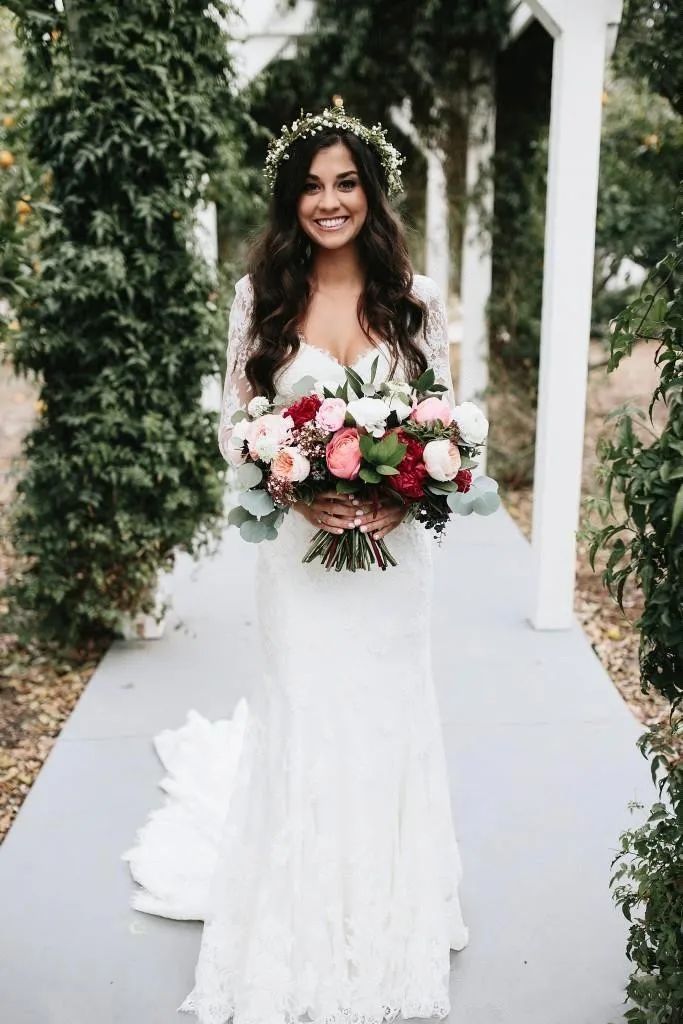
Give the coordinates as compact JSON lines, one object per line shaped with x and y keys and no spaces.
{"x":342,"y":174}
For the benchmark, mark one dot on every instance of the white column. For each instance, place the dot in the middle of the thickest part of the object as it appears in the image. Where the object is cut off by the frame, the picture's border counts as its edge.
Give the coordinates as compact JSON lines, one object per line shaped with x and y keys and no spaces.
{"x":475,"y":289}
{"x":578,"y":71}
{"x":437,"y":240}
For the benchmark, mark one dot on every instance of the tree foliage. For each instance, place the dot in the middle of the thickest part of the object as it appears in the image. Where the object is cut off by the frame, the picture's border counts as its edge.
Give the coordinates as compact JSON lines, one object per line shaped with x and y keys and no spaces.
{"x":132,"y":103}
{"x":650,"y":46}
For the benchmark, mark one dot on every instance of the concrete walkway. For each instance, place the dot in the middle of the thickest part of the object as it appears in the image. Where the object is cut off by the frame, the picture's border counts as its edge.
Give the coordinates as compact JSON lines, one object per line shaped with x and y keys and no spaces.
{"x":542,"y":761}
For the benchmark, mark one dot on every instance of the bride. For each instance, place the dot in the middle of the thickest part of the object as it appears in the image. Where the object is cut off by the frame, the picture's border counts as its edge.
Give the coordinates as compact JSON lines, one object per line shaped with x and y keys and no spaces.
{"x":312,"y":831}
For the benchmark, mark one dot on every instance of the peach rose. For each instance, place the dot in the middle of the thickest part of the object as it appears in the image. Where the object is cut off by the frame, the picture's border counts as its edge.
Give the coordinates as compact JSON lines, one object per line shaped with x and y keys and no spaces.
{"x":343,"y":454}
{"x":289,"y":464}
{"x":432,"y":409}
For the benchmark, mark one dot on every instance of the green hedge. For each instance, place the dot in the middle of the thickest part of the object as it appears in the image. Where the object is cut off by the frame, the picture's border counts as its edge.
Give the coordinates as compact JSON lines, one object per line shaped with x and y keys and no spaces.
{"x":133,"y":103}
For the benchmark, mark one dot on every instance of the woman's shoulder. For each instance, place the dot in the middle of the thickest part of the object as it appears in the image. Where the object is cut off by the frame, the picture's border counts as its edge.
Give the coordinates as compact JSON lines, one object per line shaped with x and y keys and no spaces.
{"x":425,"y":288}
{"x":244,"y":287}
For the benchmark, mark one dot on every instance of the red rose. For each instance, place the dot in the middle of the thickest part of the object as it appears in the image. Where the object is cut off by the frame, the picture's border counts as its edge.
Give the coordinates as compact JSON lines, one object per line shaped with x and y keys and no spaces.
{"x":463,"y":479}
{"x":412,"y":472}
{"x":304,"y":410}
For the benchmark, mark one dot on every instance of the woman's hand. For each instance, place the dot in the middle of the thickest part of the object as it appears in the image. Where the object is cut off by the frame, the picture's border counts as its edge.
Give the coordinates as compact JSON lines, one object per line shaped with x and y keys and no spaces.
{"x":335,"y":512}
{"x":386,"y":518}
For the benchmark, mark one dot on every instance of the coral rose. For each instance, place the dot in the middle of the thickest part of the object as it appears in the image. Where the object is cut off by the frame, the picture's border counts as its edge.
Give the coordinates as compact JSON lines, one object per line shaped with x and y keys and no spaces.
{"x":432,"y":409}
{"x":343,"y":454}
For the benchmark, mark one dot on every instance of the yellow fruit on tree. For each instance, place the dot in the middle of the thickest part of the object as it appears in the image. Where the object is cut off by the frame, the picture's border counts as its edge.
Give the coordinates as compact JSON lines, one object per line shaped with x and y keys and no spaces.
{"x":6,"y":158}
{"x":23,"y":207}
{"x":8,"y":121}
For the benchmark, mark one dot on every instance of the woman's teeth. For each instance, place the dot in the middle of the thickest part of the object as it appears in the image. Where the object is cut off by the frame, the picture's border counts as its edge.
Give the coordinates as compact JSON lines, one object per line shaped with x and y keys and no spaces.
{"x":332,"y":223}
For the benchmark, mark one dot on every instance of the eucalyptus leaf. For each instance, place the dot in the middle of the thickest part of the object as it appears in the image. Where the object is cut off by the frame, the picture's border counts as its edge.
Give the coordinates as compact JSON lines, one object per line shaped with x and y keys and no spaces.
{"x":486,"y":503}
{"x":248,"y":475}
{"x":259,"y":502}
{"x":253,"y":531}
{"x":238,"y":515}
{"x":304,"y":386}
{"x":387,"y":470}
{"x":238,"y":416}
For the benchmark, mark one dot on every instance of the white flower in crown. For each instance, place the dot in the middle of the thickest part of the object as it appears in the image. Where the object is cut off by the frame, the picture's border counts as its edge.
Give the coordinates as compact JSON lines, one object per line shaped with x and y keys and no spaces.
{"x":336,"y":117}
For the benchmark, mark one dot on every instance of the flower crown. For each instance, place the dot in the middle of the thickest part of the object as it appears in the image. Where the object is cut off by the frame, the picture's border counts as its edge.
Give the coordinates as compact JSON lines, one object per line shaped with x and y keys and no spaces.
{"x":336,"y":117}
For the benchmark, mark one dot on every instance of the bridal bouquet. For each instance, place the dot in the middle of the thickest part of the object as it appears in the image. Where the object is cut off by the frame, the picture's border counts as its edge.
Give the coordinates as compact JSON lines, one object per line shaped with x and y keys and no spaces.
{"x":398,"y":438}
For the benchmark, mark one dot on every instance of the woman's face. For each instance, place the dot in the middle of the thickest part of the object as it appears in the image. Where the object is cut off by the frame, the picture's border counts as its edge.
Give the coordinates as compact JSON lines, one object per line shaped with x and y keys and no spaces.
{"x":332,"y":206}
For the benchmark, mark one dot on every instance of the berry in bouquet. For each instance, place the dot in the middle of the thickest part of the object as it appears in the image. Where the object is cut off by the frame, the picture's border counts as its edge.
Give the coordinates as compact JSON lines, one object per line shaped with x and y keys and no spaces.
{"x":399,"y":438}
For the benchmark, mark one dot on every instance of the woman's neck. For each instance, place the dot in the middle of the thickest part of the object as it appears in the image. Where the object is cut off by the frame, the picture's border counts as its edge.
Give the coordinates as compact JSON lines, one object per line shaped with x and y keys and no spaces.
{"x":337,"y":270}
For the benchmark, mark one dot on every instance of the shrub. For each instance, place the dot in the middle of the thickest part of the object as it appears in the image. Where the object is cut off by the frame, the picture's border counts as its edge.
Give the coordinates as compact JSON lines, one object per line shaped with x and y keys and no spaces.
{"x":132,"y":103}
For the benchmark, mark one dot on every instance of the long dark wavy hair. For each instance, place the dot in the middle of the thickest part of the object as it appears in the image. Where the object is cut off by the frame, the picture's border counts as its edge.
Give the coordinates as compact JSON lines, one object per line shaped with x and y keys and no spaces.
{"x":281,"y":260}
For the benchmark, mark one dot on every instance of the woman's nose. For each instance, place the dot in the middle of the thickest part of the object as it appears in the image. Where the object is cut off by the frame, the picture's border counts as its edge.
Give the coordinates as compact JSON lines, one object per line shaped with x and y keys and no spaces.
{"x":329,"y":200}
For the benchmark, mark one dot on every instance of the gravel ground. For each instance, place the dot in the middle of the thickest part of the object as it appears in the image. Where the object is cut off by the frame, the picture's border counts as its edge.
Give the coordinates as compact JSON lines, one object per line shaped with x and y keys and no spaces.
{"x":38,"y":691}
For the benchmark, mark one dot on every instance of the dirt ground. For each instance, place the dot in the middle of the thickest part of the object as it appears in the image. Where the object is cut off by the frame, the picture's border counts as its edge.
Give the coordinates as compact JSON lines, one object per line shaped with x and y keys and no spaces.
{"x":37,"y":693}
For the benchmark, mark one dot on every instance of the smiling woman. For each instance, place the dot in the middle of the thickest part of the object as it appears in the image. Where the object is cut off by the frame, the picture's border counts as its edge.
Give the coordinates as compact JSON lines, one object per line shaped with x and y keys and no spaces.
{"x":329,"y":888}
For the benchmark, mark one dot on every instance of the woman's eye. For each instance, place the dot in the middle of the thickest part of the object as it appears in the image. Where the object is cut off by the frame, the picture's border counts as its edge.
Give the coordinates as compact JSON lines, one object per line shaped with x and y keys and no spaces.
{"x":310,"y":186}
{"x":348,"y":184}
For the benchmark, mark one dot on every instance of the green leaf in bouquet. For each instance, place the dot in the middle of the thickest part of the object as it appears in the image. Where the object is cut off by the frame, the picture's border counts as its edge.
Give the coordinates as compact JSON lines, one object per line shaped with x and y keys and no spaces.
{"x":441,"y":486}
{"x":238,"y":515}
{"x":369,"y":390}
{"x":438,"y":387}
{"x":467,"y":463}
{"x":238,"y":416}
{"x":387,"y":470}
{"x":367,"y":446}
{"x":387,"y":452}
{"x":248,"y":476}
{"x":425,"y":381}
{"x":274,"y":519}
{"x":355,"y":382}
{"x":304,"y":386}
{"x":369,"y":476}
{"x":373,"y":369}
{"x":347,"y":486}
{"x":259,"y":503}
{"x":254,"y":531}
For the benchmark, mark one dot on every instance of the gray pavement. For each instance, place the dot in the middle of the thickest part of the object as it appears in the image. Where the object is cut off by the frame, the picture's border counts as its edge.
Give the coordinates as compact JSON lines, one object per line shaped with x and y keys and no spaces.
{"x":542,"y":761}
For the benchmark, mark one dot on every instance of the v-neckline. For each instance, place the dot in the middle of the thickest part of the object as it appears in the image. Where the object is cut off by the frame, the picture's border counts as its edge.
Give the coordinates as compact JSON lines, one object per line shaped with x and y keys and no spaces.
{"x":345,"y":366}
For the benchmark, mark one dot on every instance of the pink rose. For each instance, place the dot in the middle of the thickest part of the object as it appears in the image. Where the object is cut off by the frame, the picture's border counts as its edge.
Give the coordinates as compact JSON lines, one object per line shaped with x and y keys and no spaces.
{"x":343,"y":454}
{"x":266,"y":435}
{"x":432,"y":409}
{"x":442,"y":459}
{"x":330,"y":415}
{"x":289,"y":464}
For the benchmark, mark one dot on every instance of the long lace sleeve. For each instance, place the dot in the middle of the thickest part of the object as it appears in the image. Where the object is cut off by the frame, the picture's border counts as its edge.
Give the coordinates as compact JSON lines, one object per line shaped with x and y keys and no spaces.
{"x":236,"y":390}
{"x":436,"y":343}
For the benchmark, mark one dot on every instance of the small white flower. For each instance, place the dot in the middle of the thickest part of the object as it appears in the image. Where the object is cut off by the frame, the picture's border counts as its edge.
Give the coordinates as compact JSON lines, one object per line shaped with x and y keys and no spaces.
{"x":266,"y":448}
{"x":472,"y":423}
{"x":370,"y":413}
{"x":258,"y":406}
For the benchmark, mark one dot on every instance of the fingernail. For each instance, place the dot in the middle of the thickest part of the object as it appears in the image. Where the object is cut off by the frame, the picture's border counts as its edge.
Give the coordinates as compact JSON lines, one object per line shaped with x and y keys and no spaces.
{"x":355,"y":501}
{"x":363,"y":529}
{"x":356,"y":521}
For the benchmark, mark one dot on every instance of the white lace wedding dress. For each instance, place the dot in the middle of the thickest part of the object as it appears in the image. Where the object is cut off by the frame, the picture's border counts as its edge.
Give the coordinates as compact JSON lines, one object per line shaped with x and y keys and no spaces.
{"x":312,"y":831}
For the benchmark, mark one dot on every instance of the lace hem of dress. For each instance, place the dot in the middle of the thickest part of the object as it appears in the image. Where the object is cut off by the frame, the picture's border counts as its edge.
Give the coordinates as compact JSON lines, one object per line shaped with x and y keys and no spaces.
{"x":344,"y":1015}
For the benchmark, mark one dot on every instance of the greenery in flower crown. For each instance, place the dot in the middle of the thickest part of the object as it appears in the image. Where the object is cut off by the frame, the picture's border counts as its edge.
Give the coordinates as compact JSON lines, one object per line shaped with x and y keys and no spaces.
{"x":336,"y":117}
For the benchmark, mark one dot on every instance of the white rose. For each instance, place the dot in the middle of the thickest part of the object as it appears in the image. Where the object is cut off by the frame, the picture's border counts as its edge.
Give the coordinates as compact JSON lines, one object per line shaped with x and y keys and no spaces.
{"x":370,"y":413}
{"x":321,"y":385}
{"x":442,"y":459}
{"x":258,"y":406}
{"x":472,"y":423}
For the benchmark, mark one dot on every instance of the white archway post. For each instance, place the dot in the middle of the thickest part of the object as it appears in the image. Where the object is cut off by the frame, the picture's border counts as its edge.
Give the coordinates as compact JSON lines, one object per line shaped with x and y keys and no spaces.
{"x":476,"y":270}
{"x":580,"y":28}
